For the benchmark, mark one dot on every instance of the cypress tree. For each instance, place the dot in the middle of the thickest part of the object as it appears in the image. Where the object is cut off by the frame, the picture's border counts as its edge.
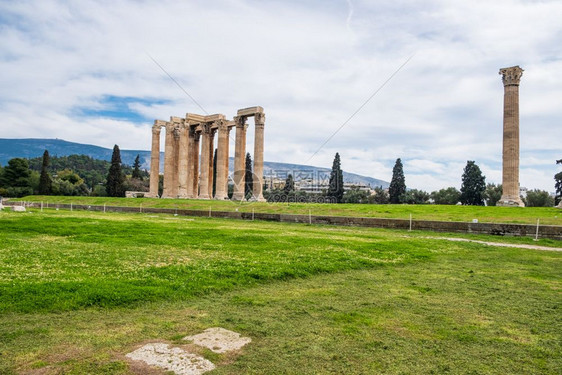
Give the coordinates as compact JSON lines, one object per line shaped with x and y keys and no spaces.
{"x":115,"y":186}
{"x":397,"y":187}
{"x":249,"y":181}
{"x":289,"y":184}
{"x":136,"y":168}
{"x":335,"y":189}
{"x":45,"y":182}
{"x":473,"y":185}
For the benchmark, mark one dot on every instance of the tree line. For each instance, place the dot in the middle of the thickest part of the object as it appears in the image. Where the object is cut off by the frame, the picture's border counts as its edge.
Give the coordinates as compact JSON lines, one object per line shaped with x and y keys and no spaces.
{"x":71,"y":175}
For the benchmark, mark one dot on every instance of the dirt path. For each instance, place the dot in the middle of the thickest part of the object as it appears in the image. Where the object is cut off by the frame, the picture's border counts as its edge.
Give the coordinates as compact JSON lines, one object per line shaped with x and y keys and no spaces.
{"x":499,"y":244}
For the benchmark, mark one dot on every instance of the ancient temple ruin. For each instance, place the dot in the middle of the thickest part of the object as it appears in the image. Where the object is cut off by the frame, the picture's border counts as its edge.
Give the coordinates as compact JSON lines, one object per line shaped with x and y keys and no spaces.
{"x":190,"y":138}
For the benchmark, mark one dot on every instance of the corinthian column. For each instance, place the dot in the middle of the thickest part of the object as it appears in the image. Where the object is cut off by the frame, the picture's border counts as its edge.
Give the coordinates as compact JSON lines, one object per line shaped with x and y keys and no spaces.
{"x":191,"y":155}
{"x":204,"y":180}
{"x":195,"y":164}
{"x":259,"y":119}
{"x":182,"y":165}
{"x":239,"y":158}
{"x":168,"y":162}
{"x":211,"y":154}
{"x":221,"y":192}
{"x":155,"y":161}
{"x":175,"y":180}
{"x":510,"y":176}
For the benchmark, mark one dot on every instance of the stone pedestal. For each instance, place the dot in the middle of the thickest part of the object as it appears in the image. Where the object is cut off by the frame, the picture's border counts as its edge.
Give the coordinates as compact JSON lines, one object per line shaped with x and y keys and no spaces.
{"x":510,"y":177}
{"x":240,"y":159}
{"x":257,"y":187}
{"x":154,"y":162}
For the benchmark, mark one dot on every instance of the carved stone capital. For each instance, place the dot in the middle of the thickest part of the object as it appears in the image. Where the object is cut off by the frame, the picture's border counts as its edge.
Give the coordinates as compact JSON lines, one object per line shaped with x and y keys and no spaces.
{"x":511,"y":76}
{"x":206,"y":127}
{"x":240,"y":121}
{"x":259,"y":119}
{"x":177,"y":132}
{"x":156,"y":129}
{"x":221,"y":125}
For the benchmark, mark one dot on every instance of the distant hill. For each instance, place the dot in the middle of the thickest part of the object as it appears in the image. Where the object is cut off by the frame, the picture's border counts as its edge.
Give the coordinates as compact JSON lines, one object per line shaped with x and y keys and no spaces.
{"x":34,"y":147}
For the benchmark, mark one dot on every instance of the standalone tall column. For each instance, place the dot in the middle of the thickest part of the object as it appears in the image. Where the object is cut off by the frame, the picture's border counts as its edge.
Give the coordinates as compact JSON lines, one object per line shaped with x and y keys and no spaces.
{"x":510,"y":178}
{"x":191,"y":155}
{"x":204,"y":181}
{"x":239,"y":158}
{"x":155,"y":162}
{"x":168,"y":162}
{"x":195,"y":163}
{"x":221,"y":191}
{"x":183,"y":160}
{"x":257,"y":188}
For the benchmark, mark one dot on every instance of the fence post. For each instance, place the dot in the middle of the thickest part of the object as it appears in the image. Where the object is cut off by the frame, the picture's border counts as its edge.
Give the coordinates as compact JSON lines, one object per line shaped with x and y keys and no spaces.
{"x":409,"y":230}
{"x":252,"y":214}
{"x":41,"y":206}
{"x":104,"y":208}
{"x":310,"y":217}
{"x":537,"y":233}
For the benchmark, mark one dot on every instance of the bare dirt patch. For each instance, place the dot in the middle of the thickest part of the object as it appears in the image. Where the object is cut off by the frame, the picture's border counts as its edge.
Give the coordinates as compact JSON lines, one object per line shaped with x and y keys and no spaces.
{"x":219,"y":340}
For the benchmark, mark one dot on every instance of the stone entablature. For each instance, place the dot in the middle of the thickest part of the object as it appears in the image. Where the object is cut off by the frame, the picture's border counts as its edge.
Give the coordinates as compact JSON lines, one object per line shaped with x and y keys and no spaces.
{"x":191,"y":138}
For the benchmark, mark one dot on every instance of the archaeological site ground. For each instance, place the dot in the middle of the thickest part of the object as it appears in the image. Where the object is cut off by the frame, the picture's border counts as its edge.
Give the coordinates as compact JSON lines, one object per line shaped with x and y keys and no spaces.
{"x":82,"y":290}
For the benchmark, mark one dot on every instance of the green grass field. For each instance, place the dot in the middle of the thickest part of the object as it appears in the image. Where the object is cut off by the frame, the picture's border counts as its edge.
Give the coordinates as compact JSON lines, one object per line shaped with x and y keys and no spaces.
{"x":527,"y":215}
{"x":78,"y":290}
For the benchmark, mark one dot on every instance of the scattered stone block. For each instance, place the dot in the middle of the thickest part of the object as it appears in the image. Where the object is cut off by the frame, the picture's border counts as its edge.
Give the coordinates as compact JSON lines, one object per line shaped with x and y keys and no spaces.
{"x":219,"y":340}
{"x":18,"y":208}
{"x":172,"y":359}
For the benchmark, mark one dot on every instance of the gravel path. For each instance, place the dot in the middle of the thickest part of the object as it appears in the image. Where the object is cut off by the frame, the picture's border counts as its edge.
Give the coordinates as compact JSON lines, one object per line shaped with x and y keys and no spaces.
{"x":499,"y":244}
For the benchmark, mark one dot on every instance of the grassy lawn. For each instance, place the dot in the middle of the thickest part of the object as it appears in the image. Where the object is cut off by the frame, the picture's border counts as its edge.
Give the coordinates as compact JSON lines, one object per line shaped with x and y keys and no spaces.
{"x":527,"y":215}
{"x":78,"y":290}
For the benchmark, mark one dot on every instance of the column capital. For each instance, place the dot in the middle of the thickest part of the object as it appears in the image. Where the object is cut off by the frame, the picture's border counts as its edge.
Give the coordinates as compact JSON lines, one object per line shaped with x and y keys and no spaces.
{"x":240,"y":121}
{"x":177,"y":131}
{"x":259,"y":119}
{"x":511,"y":76}
{"x":156,"y":129}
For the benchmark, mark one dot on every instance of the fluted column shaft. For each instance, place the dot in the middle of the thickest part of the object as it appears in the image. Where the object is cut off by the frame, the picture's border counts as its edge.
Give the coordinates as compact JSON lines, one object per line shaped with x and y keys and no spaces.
{"x":204,"y":180}
{"x":190,"y":167}
{"x":168,"y":162}
{"x":175,"y":175}
{"x":257,"y":187}
{"x":195,"y":164}
{"x":211,"y":155}
{"x":182,"y":164}
{"x":510,"y":168}
{"x":239,"y":159}
{"x":221,"y":191}
{"x":155,"y":162}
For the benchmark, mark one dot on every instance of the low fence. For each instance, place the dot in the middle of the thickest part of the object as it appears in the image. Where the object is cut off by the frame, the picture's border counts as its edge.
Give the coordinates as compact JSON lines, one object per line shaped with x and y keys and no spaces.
{"x":538,"y":231}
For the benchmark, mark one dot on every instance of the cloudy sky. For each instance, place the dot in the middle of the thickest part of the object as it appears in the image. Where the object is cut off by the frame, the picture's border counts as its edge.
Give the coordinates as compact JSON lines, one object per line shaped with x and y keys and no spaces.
{"x":82,"y":71}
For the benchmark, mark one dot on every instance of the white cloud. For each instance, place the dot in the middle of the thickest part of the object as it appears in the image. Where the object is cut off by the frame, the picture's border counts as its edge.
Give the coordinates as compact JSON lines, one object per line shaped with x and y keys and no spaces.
{"x":310,"y":65}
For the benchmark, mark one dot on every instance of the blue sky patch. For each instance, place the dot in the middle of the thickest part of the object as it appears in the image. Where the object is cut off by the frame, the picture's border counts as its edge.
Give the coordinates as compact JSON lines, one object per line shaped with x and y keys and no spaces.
{"x":120,"y":108}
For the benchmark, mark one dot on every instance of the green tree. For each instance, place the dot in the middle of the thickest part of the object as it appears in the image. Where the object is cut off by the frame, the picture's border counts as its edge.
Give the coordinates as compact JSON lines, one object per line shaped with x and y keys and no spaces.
{"x":538,"y":198}
{"x":380,"y":196}
{"x":473,"y":185}
{"x":415,"y":196}
{"x":356,"y":195}
{"x":492,"y":194}
{"x":45,"y":181}
{"x":397,"y":187}
{"x":249,"y":180}
{"x":289,"y":184}
{"x":136,"y":169}
{"x":16,"y":173}
{"x":335,"y":188}
{"x":449,"y":196}
{"x":558,"y":184}
{"x":115,"y":178}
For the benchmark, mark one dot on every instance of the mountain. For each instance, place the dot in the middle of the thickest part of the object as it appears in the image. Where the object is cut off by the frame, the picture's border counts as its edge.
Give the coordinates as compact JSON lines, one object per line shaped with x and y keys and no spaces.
{"x":34,"y":147}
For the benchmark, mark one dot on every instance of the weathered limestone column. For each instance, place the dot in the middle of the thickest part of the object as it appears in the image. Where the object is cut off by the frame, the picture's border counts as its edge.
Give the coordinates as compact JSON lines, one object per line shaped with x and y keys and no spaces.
{"x":155,"y":161}
{"x":510,"y":177}
{"x":195,"y":163}
{"x":168,"y":162}
{"x":221,"y":192}
{"x":257,"y":188}
{"x":183,"y":162}
{"x":191,"y":155}
{"x":175,"y":181}
{"x":204,"y":180}
{"x":239,"y":158}
{"x":211,"y":155}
